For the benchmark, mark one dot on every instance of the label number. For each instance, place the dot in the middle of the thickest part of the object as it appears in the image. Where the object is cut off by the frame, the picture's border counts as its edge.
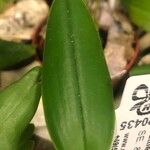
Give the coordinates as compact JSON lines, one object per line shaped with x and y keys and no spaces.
{"x":134,"y":123}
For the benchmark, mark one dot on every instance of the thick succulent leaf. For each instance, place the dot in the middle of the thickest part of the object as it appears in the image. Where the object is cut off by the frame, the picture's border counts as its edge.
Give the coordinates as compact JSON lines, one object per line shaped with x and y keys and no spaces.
{"x":18,"y":103}
{"x":77,"y":92}
{"x":5,"y":3}
{"x":12,"y":53}
{"x":139,"y":12}
{"x":26,"y":142}
{"x":140,"y":70}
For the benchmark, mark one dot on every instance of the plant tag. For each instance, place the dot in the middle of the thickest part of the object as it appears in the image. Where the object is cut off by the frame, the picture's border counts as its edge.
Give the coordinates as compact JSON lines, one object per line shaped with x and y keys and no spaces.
{"x":133,"y":116}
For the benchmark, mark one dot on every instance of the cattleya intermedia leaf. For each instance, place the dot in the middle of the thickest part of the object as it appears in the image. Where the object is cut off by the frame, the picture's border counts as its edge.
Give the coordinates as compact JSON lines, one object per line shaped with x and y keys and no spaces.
{"x":18,"y":103}
{"x":139,"y":12}
{"x":140,"y":70}
{"x":5,"y":3}
{"x":12,"y":53}
{"x":77,"y":91}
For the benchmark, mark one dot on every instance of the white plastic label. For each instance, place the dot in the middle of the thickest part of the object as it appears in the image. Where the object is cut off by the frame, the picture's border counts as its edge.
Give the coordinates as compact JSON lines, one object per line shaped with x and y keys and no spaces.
{"x":133,"y":116}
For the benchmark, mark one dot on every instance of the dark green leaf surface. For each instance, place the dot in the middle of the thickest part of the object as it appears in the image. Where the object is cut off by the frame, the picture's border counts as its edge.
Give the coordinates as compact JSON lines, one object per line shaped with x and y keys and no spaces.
{"x":77,"y":92}
{"x":140,"y":70}
{"x":4,"y":4}
{"x":14,"y":53}
{"x":18,"y":103}
{"x":139,"y":12}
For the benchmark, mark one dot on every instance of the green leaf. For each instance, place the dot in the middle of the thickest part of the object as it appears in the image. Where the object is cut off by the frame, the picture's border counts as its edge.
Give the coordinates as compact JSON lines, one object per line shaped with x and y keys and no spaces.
{"x":12,"y":53}
{"x":139,"y":12}
{"x":140,"y":70}
{"x":77,"y":91}
{"x":26,"y":142}
{"x":18,"y":103}
{"x":4,"y":4}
